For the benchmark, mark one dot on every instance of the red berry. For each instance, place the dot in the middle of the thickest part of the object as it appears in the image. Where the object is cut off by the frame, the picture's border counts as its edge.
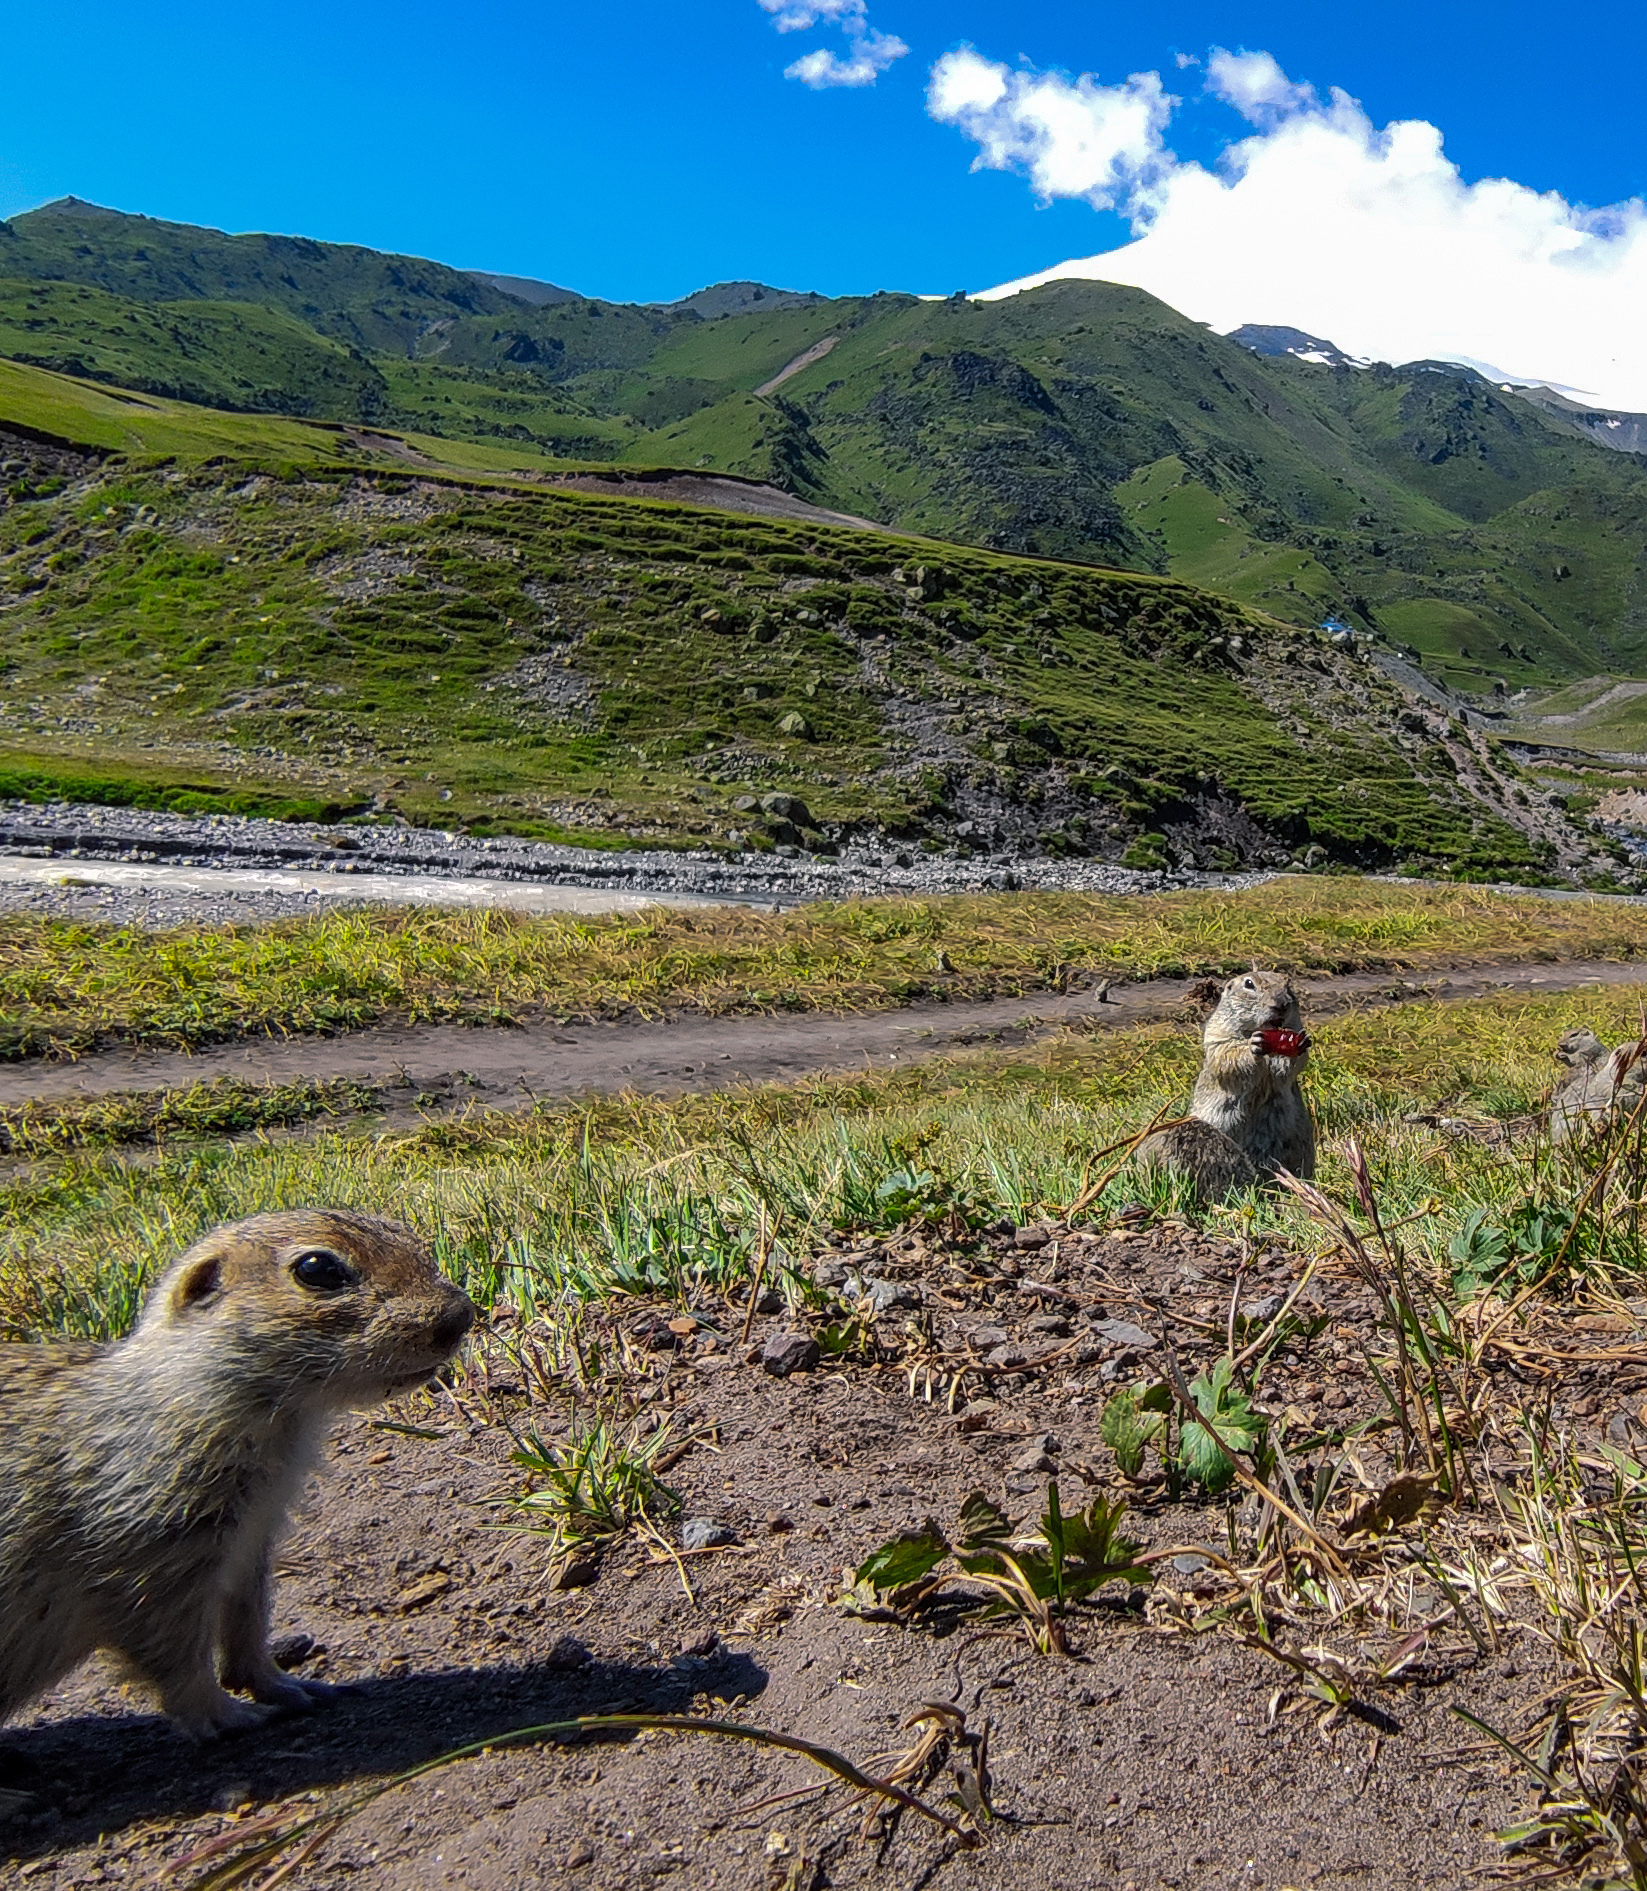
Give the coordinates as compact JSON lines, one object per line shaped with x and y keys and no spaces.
{"x":1283,"y":1043}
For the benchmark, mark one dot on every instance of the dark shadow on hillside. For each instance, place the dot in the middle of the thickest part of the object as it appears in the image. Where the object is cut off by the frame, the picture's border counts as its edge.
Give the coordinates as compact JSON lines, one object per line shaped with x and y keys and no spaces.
{"x":103,"y":1773}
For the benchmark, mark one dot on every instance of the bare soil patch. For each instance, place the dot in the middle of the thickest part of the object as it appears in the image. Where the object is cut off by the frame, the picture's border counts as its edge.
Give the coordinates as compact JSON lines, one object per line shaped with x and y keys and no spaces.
{"x":1161,"y":1753}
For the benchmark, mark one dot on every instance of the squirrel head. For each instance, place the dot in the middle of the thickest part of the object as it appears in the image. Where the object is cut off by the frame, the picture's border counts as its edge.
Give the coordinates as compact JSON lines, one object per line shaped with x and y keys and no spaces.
{"x":1580,"y":1046}
{"x":1252,"y":1001}
{"x":320,"y":1305}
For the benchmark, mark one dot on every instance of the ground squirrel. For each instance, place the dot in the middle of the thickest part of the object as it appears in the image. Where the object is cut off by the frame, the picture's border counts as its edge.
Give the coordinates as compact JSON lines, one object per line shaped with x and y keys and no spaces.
{"x":148,"y":1481}
{"x":1248,"y":1115}
{"x":1603,"y":1081}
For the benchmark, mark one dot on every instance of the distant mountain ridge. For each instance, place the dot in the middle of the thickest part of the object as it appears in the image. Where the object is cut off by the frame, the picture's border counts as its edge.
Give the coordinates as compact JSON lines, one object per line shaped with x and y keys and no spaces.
{"x":1266,"y":339}
{"x":1484,"y":531}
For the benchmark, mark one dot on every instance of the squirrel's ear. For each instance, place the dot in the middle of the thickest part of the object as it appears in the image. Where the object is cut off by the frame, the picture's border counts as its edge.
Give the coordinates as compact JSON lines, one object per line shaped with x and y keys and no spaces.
{"x":198,"y":1284}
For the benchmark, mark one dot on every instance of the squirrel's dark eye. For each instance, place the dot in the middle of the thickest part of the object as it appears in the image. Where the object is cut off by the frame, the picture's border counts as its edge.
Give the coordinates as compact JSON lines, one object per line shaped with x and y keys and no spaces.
{"x":1249,"y":984}
{"x":322,"y":1270}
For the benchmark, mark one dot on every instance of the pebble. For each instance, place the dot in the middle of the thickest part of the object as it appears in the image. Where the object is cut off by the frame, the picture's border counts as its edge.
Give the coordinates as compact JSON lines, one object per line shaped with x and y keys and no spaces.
{"x":1123,"y":1333}
{"x":1034,"y":1460}
{"x":704,"y":1533}
{"x":985,"y":1337}
{"x":785,"y":1353}
{"x":1054,"y":1325}
{"x":887,"y":1296}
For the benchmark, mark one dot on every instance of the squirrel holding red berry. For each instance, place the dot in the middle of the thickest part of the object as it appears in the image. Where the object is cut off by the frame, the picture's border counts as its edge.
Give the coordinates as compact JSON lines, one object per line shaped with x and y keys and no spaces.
{"x":1248,"y":1116}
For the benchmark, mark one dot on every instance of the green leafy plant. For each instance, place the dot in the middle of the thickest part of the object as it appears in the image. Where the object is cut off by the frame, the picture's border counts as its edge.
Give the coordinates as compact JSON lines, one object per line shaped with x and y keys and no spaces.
{"x":1132,"y":1421}
{"x":1509,"y":1245}
{"x":1226,"y":1415}
{"x":1036,"y":1576}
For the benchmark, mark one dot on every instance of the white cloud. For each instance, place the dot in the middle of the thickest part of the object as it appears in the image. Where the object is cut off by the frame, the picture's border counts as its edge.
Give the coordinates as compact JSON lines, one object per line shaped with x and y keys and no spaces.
{"x":868,"y":53}
{"x":1324,"y":222}
{"x":1256,"y":86}
{"x":1071,"y":138}
{"x":797,"y":16}
{"x":868,"y":56}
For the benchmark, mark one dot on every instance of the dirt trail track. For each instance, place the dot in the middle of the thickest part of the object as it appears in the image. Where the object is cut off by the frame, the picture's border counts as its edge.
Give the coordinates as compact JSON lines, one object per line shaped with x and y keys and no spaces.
{"x":687,"y":1053}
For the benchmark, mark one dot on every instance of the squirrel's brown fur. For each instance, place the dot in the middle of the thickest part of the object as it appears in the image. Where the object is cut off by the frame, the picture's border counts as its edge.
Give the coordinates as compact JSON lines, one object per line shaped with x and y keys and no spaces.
{"x":148,"y":1481}
{"x":1248,"y":1115}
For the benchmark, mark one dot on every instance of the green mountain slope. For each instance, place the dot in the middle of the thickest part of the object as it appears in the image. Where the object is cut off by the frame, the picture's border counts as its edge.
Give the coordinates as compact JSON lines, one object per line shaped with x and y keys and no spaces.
{"x":359,"y":296}
{"x":1082,"y":421}
{"x":294,"y":626}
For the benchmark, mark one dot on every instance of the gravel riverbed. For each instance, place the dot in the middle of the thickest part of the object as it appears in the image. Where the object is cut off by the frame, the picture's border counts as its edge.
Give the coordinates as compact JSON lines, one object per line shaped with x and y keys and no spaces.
{"x":218,"y":868}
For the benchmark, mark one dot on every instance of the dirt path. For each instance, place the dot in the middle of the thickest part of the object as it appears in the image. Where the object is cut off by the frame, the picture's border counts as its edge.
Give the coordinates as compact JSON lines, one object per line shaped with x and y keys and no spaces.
{"x":692,"y":1053}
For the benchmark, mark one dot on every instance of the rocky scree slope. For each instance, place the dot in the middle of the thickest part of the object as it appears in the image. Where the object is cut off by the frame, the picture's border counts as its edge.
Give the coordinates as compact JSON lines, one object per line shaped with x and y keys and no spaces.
{"x":249,"y":638}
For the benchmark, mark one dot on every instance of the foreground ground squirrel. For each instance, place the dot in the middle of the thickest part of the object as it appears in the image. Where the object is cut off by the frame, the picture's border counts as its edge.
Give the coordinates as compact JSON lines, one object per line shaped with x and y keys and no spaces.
{"x":147,"y":1482}
{"x":1248,"y":1115}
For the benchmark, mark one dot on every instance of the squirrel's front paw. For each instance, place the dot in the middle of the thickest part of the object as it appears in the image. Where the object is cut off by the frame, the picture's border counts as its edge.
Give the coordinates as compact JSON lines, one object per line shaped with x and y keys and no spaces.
{"x":1256,"y":1044}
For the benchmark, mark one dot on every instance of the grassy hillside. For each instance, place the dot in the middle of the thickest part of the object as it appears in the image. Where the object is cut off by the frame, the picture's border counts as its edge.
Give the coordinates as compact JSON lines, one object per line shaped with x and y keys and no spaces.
{"x":1083,"y":421}
{"x":278,"y":610}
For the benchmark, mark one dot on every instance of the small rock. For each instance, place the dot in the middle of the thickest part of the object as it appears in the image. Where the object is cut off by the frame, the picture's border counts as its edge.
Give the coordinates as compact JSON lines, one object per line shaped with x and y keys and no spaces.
{"x":887,"y":1296}
{"x":1007,"y":1358}
{"x":830,"y":1274}
{"x":1123,"y":1333}
{"x":1189,"y":1564}
{"x":984,"y":1337}
{"x":770,"y":1302}
{"x":291,"y":1651}
{"x":778,"y":1524}
{"x":656,"y":1333}
{"x":1264,"y":1310}
{"x":425,"y":1589}
{"x":704,"y":1533}
{"x":787,"y":807}
{"x":1030,"y":1238}
{"x":1054,"y":1325}
{"x":576,"y":1570}
{"x":578,"y":1856}
{"x":567,"y":1655}
{"x":785,"y":1353}
{"x":1032,"y":1461}
{"x":1335,"y":1398}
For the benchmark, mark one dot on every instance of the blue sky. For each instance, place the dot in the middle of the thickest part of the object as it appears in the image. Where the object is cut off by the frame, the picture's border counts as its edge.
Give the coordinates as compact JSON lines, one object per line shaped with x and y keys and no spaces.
{"x":641,"y":150}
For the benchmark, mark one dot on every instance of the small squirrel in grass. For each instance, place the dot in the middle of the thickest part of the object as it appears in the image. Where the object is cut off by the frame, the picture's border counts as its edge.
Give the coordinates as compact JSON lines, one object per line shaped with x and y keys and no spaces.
{"x":1248,"y":1116}
{"x":1605,"y":1084}
{"x":147,"y":1482}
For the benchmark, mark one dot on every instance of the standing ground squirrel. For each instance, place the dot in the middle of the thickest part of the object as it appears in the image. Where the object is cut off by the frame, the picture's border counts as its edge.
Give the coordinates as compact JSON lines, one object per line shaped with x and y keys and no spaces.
{"x":1604,"y":1084}
{"x":148,"y":1482}
{"x":1249,"y":1117}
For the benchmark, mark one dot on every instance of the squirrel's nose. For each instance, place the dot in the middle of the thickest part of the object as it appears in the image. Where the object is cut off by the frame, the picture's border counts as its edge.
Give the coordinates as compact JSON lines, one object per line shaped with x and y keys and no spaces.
{"x":454,"y":1322}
